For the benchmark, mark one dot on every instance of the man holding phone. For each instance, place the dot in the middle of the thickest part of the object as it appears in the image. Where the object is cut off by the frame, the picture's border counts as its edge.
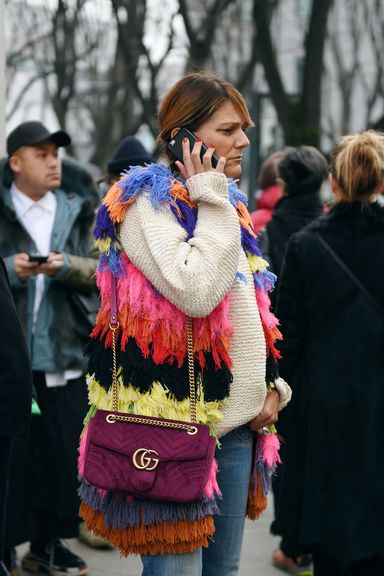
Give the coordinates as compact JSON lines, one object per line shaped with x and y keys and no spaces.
{"x":46,"y":240}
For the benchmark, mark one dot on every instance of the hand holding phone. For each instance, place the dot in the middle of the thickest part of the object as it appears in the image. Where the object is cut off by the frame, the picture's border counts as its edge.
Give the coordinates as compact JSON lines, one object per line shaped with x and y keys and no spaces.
{"x":175,"y":146}
{"x":37,"y":258}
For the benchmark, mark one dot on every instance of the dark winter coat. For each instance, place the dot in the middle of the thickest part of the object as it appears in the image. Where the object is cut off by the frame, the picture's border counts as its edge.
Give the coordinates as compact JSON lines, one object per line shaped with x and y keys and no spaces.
{"x":15,"y":371}
{"x":291,"y":214}
{"x":61,"y":331}
{"x":333,"y":358}
{"x":43,"y":484}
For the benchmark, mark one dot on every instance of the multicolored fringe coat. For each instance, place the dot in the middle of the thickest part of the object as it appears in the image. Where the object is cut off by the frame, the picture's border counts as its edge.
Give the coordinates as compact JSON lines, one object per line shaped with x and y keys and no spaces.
{"x":179,"y":249}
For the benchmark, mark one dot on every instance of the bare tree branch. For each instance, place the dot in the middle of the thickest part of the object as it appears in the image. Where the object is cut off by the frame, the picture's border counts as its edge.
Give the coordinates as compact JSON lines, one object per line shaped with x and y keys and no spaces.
{"x":201,"y":39}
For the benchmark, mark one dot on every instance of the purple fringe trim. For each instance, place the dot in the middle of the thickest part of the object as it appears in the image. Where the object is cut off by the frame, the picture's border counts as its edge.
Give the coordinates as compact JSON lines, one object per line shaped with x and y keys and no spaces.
{"x":104,"y":227}
{"x":188,"y":219}
{"x":121,"y":513}
{"x":262,"y":470}
{"x":249,"y":243}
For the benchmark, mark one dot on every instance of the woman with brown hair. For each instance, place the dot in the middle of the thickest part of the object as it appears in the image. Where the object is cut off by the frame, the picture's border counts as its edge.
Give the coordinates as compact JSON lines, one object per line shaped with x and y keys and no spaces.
{"x":330,"y":304}
{"x":179,"y":243}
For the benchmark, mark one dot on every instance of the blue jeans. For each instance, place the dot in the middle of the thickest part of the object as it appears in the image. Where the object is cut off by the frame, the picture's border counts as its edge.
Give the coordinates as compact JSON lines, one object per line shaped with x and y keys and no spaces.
{"x":223,"y":554}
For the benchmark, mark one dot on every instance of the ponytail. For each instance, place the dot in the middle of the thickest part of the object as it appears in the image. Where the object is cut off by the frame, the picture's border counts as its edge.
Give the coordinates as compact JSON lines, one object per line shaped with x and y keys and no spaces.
{"x":357,"y":164}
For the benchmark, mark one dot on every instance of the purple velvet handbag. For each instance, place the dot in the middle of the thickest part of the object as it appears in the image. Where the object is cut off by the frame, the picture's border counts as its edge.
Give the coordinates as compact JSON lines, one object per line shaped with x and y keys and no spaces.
{"x":145,"y":457}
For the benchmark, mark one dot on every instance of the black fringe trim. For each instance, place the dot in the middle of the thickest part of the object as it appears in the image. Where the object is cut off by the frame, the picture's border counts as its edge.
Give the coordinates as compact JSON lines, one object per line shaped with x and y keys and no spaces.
{"x":271,"y":370}
{"x":141,"y":372}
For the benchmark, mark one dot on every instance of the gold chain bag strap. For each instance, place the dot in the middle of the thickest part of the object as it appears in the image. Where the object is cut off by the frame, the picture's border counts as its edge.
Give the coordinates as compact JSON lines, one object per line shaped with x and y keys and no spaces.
{"x":147,"y":457}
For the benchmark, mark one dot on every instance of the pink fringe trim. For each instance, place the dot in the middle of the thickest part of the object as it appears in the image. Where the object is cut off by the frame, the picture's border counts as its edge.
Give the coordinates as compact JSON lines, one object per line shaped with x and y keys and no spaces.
{"x":212,"y":488}
{"x":147,"y":316}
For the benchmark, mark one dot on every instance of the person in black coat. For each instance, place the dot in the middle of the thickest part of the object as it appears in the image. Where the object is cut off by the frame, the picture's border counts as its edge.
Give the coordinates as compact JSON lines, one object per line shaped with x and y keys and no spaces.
{"x":15,"y":393}
{"x":330,"y":304}
{"x":302,"y":172}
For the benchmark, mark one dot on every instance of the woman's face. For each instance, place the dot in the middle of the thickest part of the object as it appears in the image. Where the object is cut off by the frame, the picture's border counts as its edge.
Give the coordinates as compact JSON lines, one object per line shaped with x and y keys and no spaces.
{"x":224,"y":130}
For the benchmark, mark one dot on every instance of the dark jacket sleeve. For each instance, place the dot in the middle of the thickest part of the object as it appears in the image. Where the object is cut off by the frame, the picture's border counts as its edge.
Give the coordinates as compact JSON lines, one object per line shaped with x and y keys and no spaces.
{"x":264,"y":244}
{"x":291,"y":310}
{"x":15,"y":371}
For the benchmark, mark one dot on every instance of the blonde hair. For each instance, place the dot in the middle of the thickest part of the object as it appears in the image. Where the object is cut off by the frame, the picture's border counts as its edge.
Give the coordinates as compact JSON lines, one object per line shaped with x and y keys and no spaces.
{"x":357,"y":164}
{"x":194,"y":99}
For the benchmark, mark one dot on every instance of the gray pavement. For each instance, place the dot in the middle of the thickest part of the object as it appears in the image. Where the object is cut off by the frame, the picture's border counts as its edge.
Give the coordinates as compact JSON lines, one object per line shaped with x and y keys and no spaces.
{"x":255,"y":561}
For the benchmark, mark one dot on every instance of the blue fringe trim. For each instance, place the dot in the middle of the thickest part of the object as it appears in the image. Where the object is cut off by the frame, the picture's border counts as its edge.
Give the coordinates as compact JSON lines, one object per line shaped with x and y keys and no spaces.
{"x":154,"y":179}
{"x":240,"y":276}
{"x":235,"y":194}
{"x":112,"y":262}
{"x":121,"y":513}
{"x":265,"y":280}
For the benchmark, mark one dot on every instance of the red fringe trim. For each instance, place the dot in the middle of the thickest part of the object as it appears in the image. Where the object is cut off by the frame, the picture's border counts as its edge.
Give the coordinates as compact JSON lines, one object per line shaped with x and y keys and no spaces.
{"x":272,"y":335}
{"x":168,"y":538}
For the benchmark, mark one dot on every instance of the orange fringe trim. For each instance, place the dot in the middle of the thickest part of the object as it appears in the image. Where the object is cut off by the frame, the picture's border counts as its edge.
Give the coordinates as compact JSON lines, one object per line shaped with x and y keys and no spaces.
{"x":179,"y":192}
{"x":272,"y":335}
{"x":116,"y":208}
{"x":257,"y":502}
{"x":245,"y":218}
{"x":166,"y":538}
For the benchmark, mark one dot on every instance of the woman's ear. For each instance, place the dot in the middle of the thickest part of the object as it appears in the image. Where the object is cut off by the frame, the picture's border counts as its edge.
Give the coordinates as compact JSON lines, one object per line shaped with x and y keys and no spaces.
{"x":334,"y":185}
{"x":337,"y":192}
{"x":174,"y":131}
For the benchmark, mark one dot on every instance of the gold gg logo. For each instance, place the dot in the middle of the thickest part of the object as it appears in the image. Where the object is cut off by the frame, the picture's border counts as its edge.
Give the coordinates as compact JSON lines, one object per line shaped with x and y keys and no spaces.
{"x":142,"y":459}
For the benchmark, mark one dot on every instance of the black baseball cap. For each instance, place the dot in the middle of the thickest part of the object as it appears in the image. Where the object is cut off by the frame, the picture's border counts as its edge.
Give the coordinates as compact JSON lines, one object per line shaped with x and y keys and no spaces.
{"x":33,"y":132}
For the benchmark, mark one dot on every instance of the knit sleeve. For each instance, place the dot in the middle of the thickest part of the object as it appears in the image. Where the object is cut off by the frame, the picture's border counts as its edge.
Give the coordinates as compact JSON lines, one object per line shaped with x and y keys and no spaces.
{"x":193,"y":274}
{"x":284,"y":391}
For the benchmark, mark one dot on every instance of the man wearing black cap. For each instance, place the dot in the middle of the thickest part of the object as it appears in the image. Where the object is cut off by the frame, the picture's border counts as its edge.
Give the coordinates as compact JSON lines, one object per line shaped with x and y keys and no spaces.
{"x":45,"y":240}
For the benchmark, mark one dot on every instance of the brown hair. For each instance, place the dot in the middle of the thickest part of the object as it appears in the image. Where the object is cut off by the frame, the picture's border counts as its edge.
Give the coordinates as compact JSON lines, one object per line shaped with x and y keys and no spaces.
{"x":357,"y":164}
{"x":194,"y":99}
{"x":269,"y":170}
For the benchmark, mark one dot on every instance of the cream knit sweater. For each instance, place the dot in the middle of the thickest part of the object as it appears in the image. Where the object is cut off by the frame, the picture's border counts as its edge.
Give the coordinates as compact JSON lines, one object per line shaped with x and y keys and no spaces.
{"x":196,"y":275}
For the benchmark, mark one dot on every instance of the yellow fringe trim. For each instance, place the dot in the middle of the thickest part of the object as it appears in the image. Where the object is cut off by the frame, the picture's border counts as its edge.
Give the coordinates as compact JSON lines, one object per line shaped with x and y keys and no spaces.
{"x":158,"y":402}
{"x":256,"y":263}
{"x":104,"y":245}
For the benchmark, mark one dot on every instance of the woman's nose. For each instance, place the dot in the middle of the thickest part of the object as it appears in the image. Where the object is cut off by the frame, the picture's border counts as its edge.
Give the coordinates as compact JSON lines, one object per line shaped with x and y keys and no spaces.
{"x":242,"y":141}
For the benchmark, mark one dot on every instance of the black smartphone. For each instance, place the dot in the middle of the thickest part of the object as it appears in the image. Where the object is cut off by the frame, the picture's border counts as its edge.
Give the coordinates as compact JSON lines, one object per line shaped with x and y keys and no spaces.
{"x":175,"y":145}
{"x":37,"y":258}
